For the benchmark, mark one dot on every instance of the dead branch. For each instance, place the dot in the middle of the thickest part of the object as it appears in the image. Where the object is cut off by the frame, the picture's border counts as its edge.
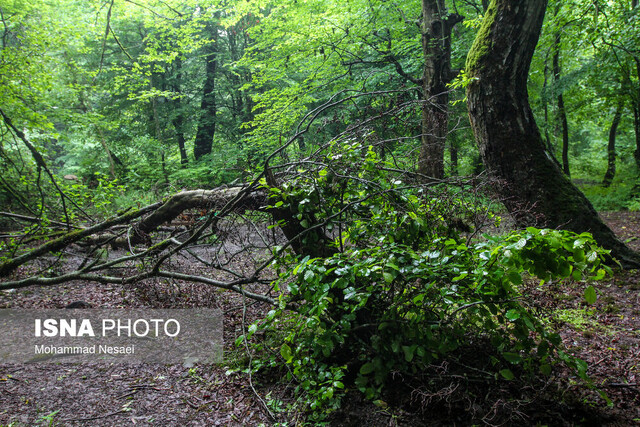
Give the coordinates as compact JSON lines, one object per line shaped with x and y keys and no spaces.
{"x":34,"y":219}
{"x":60,"y":243}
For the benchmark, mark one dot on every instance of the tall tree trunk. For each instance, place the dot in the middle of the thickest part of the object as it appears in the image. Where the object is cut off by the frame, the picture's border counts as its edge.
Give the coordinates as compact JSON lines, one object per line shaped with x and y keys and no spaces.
{"x":636,"y":112}
{"x":636,"y":129}
{"x":158,"y":133}
{"x":636,"y":106}
{"x":103,"y":142}
{"x":178,"y":123}
{"x":437,"y":24}
{"x":561,"y":110}
{"x":534,"y":190}
{"x":208,"y":108}
{"x":453,"y":155}
{"x":546,"y":109}
{"x":611,"y":147}
{"x":178,"y":120}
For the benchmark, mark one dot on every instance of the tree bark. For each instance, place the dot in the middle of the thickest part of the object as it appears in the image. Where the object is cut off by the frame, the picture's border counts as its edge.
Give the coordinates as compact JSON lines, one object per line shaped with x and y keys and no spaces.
{"x":536,"y":191}
{"x":178,"y":120}
{"x":611,"y":147}
{"x":636,"y":114}
{"x":437,"y":24}
{"x":561,"y":110}
{"x":203,"y":143}
{"x":546,"y":109}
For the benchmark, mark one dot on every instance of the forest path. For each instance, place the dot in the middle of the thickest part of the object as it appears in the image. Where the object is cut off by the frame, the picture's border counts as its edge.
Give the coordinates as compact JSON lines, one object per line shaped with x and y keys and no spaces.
{"x":607,"y":335}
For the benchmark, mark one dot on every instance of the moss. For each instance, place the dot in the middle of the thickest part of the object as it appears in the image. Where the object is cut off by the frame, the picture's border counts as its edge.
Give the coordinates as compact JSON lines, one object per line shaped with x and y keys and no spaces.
{"x":53,"y":245}
{"x":482,"y":43}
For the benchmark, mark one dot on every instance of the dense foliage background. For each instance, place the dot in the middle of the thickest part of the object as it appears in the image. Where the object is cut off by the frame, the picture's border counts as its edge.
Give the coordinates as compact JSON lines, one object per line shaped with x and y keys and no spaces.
{"x":327,"y":114}
{"x":168,"y":95}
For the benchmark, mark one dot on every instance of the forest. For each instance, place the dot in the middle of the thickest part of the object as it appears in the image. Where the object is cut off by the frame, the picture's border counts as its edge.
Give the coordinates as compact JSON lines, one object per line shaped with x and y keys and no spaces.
{"x":409,"y":213}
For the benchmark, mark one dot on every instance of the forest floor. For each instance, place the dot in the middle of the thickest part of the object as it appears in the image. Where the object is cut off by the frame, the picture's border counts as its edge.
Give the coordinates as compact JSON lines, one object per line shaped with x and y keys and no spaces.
{"x":606,"y":335}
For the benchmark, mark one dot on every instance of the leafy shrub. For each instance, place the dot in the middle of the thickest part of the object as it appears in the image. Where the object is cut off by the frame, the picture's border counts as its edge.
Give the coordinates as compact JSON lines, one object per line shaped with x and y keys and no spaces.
{"x":98,"y":196}
{"x":391,"y":308}
{"x":405,"y":289}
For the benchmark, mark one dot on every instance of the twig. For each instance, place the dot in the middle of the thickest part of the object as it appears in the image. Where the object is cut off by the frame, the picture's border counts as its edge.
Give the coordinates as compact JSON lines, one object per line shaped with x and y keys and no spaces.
{"x":97,"y":417}
{"x":33,"y":219}
{"x":625,"y":385}
{"x":250,"y":356}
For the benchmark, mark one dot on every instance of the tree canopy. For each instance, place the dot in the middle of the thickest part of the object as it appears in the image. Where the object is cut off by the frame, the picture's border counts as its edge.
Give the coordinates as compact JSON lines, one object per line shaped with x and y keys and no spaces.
{"x":347,"y":164}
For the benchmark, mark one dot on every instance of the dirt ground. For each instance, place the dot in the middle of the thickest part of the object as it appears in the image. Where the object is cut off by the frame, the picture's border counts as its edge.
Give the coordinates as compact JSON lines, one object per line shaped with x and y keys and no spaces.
{"x":606,"y":335}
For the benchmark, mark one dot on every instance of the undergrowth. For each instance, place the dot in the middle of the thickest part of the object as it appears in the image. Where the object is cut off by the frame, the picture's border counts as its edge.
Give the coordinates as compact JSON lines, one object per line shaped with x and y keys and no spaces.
{"x":406,"y":287}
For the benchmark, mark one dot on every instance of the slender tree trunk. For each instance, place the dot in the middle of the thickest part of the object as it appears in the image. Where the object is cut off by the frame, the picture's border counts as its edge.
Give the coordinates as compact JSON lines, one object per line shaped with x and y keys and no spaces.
{"x":103,"y":142}
{"x":178,"y":123}
{"x":562,"y":114}
{"x":636,"y":105}
{"x":436,"y":47}
{"x":636,"y":129}
{"x":453,"y":154}
{"x":611,"y":147}
{"x":159,"y":138}
{"x":546,"y":110}
{"x":208,"y":108}
{"x":178,"y":120}
{"x":636,"y":112}
{"x":535,"y":190}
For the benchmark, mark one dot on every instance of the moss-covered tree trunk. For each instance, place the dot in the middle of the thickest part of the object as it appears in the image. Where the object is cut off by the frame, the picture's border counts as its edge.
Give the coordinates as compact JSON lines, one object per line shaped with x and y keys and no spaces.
{"x":533,"y":186}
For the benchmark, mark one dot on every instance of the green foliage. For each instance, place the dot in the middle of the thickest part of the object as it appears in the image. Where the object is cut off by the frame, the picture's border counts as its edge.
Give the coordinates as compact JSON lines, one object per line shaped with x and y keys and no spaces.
{"x":619,"y":196}
{"x":100,"y":198}
{"x":391,"y":308}
{"x":210,"y":171}
{"x":406,"y":289}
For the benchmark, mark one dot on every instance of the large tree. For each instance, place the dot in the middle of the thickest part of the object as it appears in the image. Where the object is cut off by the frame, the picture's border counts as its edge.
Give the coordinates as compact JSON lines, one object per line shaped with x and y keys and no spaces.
{"x":437,"y":24}
{"x":534,"y":188}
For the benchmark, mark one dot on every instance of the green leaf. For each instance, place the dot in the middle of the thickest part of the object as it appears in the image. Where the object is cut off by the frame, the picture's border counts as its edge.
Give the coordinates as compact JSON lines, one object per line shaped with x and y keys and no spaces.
{"x":408,"y":352}
{"x":388,"y":277}
{"x":521,"y":243}
{"x":590,"y":295}
{"x":367,"y":368}
{"x":577,"y":274}
{"x":578,"y":255}
{"x":507,"y":374}
{"x":564,"y":269}
{"x":286,"y":353}
{"x":513,"y":314}
{"x":515,"y":277}
{"x":514,"y":358}
{"x":545,"y":369}
{"x":309,"y":275}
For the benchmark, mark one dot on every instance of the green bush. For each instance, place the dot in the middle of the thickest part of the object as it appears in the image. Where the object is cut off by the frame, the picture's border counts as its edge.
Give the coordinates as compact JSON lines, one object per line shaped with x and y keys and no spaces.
{"x":407,"y":289}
